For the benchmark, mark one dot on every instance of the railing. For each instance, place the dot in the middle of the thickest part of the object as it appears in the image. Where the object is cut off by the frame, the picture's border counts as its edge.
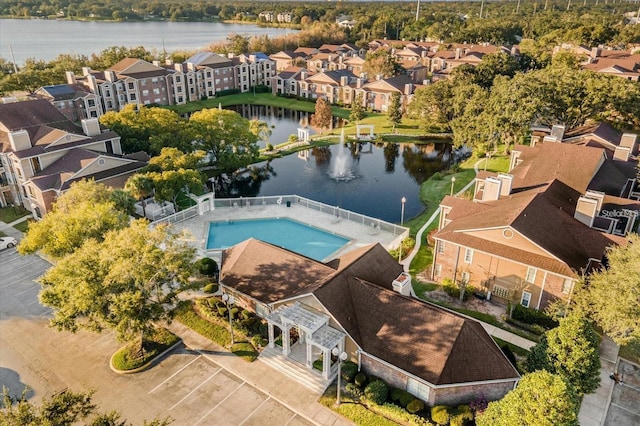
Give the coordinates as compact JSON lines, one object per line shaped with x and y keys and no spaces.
{"x":178,"y":217}
{"x":335,"y":211}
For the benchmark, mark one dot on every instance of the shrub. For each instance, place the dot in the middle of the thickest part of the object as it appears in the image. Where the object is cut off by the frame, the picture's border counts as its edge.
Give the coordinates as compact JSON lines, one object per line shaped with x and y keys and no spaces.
{"x":415,"y":405}
{"x":533,"y":317}
{"x":234,"y":312}
{"x":360,"y":379}
{"x":206,"y":266}
{"x":436,"y":176}
{"x":406,"y":399}
{"x":440,"y":414}
{"x":453,"y":290}
{"x":349,"y":370}
{"x":479,"y":404}
{"x":245,"y":314}
{"x":353,"y":390}
{"x":222,"y":311}
{"x":210,"y":288}
{"x":269,"y":147}
{"x":399,"y":415}
{"x":259,"y":342}
{"x":461,"y":415}
{"x":376,"y":392}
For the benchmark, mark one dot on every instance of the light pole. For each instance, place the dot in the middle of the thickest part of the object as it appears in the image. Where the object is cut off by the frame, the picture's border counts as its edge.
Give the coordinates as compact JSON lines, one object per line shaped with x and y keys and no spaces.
{"x":403,"y":200}
{"x":228,"y":301}
{"x":453,"y":181}
{"x":342,"y":356}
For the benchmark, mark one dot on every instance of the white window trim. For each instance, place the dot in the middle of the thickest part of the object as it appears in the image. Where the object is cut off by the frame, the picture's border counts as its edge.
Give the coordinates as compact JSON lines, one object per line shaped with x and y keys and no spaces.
{"x":468,"y":255}
{"x":522,"y":299}
{"x":531,"y":271}
{"x":441,"y":246}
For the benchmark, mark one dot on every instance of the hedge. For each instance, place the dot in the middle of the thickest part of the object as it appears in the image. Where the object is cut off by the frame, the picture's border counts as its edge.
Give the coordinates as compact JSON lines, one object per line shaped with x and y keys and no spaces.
{"x":376,"y":392}
{"x":349,"y":370}
{"x":533,"y":317}
{"x":440,"y":414}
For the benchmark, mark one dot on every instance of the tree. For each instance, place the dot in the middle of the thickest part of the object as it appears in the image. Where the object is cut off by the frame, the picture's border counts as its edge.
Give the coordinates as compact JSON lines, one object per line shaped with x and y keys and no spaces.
{"x":261,"y":130}
{"x":541,"y":399}
{"x":140,"y":187}
{"x":323,"y":116}
{"x":570,"y":350}
{"x":226,"y":136}
{"x":611,"y":296}
{"x":395,"y":109}
{"x":125,"y":283}
{"x":62,"y":409}
{"x":357,"y":109}
{"x":86,"y":211}
{"x":381,"y":63}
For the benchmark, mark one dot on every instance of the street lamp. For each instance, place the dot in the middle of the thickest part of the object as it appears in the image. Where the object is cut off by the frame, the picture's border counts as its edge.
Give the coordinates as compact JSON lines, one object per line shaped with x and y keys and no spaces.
{"x":228,"y":301}
{"x":404,"y":200}
{"x":453,"y":181}
{"x":342,"y":356}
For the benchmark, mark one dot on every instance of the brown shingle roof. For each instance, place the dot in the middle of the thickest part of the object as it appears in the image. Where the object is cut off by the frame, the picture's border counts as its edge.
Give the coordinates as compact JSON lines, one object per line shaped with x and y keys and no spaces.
{"x":269,"y":273}
{"x":422,"y":339}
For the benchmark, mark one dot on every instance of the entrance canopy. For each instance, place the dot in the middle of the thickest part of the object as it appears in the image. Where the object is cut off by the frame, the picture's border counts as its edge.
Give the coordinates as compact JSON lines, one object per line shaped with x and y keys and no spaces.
{"x":299,"y":316}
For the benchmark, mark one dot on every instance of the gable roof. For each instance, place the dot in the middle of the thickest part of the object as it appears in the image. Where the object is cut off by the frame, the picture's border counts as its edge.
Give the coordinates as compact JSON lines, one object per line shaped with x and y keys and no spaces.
{"x":422,"y":339}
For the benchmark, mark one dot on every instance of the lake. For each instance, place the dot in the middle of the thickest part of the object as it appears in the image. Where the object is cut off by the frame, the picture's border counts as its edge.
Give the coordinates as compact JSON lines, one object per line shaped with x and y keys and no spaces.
{"x":364,"y":177}
{"x":45,"y":39}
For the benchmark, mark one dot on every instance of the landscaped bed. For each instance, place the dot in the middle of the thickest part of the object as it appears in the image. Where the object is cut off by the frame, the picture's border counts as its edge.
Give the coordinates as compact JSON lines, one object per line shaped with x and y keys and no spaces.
{"x":129,"y":358}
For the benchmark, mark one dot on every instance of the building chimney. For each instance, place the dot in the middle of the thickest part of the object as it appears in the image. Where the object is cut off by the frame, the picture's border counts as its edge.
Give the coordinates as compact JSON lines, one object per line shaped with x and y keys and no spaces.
{"x":586,"y":210}
{"x":110,"y":75}
{"x":550,"y":139}
{"x":71,"y":77}
{"x":507,"y":182}
{"x":492,"y":189}
{"x":156,"y":63}
{"x":595,"y":53}
{"x":86,"y":71}
{"x":303,"y":75}
{"x":19,"y":140}
{"x":558,"y":131}
{"x":458,"y":52}
{"x":358,"y":83}
{"x":622,"y":153}
{"x":408,"y":89}
{"x":91,"y":126}
{"x":629,"y":140}
{"x":378,"y":76}
{"x":402,"y":284}
{"x":9,"y":100}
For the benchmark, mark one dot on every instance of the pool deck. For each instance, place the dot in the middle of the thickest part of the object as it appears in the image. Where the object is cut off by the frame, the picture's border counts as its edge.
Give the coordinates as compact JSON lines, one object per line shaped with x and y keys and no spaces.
{"x":359,"y":234}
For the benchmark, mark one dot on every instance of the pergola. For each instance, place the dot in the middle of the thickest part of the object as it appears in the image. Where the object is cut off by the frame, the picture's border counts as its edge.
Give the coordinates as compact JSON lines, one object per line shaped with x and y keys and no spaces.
{"x":314,"y":331}
{"x":362,"y":136}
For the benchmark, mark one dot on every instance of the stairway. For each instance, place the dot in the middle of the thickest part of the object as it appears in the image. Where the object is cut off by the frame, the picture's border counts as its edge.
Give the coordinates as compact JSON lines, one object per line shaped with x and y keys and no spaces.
{"x":309,"y":378}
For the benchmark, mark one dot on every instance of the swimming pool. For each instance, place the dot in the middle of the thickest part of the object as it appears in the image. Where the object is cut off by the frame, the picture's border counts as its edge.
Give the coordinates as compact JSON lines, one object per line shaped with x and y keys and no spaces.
{"x":295,"y":236}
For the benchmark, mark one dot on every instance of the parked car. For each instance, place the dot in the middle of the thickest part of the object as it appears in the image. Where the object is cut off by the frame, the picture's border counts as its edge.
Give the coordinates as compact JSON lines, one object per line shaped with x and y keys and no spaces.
{"x":6,"y":242}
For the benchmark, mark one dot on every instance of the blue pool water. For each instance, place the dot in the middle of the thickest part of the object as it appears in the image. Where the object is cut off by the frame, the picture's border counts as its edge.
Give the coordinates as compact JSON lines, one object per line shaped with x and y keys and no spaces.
{"x":287,"y":233}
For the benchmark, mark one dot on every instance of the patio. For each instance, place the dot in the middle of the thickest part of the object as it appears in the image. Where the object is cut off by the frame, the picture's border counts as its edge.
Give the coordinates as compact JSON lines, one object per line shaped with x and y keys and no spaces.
{"x":359,"y":229}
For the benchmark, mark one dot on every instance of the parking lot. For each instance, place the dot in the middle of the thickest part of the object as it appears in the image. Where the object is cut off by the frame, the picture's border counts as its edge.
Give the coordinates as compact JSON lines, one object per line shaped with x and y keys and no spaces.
{"x":624,"y":408}
{"x":188,"y":385}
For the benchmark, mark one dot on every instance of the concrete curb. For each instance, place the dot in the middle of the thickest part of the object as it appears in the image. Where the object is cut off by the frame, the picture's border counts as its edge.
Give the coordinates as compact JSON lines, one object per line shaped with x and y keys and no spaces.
{"x":146,"y":366}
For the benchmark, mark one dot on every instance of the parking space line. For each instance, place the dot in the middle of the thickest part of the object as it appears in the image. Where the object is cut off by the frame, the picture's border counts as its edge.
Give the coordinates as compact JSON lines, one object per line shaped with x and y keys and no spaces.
{"x":173,"y":375}
{"x":21,"y":279}
{"x":195,"y":389}
{"x":291,"y":419}
{"x":256,"y":409}
{"x":23,"y":266}
{"x":626,"y":409}
{"x":20,"y":293}
{"x":219,"y":404}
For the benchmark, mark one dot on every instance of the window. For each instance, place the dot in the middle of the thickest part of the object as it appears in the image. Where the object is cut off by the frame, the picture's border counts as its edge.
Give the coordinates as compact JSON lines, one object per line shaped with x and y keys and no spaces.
{"x":465,"y":277}
{"x":35,"y":164}
{"x":468,"y":255}
{"x":132,"y":97}
{"x":531,"y":275}
{"x":566,"y":285}
{"x":91,"y":102}
{"x":526,"y":299}
{"x":131,"y":86}
{"x":109,"y":146}
{"x":438,"y":270}
{"x":440,"y":247}
{"x":156,"y":91}
{"x":500,"y":292}
{"x":419,"y":389}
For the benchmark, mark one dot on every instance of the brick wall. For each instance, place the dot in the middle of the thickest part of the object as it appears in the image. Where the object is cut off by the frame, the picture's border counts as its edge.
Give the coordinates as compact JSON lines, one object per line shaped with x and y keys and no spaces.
{"x":466,"y":393}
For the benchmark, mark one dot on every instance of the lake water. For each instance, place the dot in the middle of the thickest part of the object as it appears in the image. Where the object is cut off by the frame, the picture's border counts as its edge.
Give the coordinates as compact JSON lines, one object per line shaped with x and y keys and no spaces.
{"x":363,"y":177}
{"x":46,"y":39}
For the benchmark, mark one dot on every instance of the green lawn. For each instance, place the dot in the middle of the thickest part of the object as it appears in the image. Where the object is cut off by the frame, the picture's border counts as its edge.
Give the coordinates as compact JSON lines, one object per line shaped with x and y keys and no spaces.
{"x":9,"y":214}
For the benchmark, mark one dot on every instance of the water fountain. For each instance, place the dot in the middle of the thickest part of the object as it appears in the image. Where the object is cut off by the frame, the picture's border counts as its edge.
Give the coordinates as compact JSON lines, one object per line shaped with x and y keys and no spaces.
{"x":341,"y":168}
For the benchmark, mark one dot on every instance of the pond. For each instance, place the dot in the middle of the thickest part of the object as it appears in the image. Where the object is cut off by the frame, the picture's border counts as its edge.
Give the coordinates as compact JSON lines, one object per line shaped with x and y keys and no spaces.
{"x":364,"y":177}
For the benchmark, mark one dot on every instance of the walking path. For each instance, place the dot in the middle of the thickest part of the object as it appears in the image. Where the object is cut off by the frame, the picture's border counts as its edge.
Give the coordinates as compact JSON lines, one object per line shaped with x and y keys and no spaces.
{"x":289,"y":393}
{"x":491,"y":329}
{"x":594,"y":407}
{"x":9,"y":230}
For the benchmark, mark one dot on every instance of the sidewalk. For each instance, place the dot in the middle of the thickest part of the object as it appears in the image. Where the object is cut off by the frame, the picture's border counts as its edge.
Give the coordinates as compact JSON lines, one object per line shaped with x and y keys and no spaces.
{"x":9,"y":230}
{"x":593,"y":410}
{"x":287,"y":392}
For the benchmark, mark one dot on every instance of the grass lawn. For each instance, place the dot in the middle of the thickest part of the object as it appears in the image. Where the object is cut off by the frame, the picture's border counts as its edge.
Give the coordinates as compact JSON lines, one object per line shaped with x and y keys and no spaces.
{"x":515,"y":349}
{"x":23,"y":226}
{"x":9,"y":214}
{"x":354,"y":411}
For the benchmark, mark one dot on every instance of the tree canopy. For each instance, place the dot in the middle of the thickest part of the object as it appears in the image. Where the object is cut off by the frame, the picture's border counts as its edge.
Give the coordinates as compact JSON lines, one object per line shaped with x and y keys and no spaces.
{"x":323,"y":117}
{"x":540,"y":399}
{"x":570,"y":350}
{"x":226,"y":136}
{"x":123,"y":283}
{"x":395,"y":109}
{"x":357,"y":109}
{"x":611,"y":296}
{"x":88,"y":210}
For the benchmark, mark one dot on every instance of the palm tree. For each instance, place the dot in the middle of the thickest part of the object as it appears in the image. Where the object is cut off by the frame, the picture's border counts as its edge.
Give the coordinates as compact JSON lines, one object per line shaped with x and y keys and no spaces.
{"x":140,"y":186}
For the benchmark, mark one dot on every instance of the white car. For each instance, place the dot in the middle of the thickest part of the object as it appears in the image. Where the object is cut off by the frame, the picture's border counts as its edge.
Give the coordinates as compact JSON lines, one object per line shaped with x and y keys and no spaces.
{"x":6,"y":242}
